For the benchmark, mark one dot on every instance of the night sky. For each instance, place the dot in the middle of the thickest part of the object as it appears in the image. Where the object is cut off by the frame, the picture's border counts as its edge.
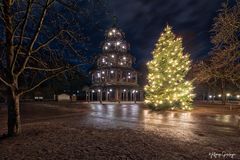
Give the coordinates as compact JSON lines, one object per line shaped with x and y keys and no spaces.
{"x":144,"y":20}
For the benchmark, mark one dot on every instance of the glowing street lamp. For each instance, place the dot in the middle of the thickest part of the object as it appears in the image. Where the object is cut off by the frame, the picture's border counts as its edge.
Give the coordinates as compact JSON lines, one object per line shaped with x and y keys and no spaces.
{"x":228,"y":94}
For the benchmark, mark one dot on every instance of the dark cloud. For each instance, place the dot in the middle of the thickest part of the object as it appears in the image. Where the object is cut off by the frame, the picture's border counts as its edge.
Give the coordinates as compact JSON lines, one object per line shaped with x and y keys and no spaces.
{"x":144,"y":20}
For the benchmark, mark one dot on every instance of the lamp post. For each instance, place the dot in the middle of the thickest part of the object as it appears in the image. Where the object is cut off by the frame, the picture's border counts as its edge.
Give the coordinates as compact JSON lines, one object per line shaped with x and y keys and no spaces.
{"x":210,"y":97}
{"x":228,"y":95}
{"x":100,"y":95}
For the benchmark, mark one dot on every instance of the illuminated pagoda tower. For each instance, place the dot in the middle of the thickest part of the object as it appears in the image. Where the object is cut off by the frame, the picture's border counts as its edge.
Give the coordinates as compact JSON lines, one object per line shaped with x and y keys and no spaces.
{"x":114,"y":78}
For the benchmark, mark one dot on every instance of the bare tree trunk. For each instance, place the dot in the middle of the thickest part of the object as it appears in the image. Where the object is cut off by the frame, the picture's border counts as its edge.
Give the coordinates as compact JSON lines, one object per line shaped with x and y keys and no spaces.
{"x":14,"y":123}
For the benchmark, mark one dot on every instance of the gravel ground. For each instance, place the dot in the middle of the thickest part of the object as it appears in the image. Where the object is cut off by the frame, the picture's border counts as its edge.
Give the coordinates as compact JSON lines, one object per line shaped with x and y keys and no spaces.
{"x":65,"y":138}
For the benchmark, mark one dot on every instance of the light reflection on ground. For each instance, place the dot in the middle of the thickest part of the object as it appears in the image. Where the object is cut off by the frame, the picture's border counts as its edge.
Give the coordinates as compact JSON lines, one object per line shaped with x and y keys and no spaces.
{"x":137,"y":116}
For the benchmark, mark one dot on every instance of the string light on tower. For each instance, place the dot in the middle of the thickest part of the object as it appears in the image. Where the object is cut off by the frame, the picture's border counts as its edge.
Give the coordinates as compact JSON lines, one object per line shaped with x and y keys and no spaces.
{"x":99,"y":75}
{"x":111,"y":66}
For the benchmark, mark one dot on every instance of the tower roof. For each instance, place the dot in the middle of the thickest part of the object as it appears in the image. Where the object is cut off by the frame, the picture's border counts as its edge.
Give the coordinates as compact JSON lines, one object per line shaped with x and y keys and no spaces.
{"x":114,"y":41}
{"x":114,"y":33}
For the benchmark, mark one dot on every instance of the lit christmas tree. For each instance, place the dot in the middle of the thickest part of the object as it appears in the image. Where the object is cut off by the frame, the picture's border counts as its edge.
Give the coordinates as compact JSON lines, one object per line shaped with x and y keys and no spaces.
{"x":167,"y":87}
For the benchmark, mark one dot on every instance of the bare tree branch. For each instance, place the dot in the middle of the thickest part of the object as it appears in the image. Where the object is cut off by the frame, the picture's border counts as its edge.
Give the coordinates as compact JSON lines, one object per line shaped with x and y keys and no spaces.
{"x":39,"y":61}
{"x":37,"y":32}
{"x":47,"y":42}
{"x":5,"y":82}
{"x":25,"y":19}
{"x":46,"y":79}
{"x":45,"y":69}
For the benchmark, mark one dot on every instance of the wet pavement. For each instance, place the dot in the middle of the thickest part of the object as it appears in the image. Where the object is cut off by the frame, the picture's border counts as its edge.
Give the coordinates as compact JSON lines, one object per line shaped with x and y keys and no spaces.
{"x":137,"y":116}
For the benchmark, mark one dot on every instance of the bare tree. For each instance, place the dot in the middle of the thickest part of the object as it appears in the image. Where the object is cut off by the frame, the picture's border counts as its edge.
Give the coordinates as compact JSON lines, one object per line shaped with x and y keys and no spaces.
{"x":38,"y":37}
{"x":222,"y":66}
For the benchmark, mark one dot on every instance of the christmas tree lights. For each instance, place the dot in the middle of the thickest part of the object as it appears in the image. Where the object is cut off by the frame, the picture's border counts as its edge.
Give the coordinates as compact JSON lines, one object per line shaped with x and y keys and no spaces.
{"x":167,"y":87}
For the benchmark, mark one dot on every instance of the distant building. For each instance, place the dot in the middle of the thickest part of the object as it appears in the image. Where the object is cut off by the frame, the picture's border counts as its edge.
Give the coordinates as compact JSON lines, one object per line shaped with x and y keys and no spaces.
{"x":114,"y":78}
{"x":63,"y":97}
